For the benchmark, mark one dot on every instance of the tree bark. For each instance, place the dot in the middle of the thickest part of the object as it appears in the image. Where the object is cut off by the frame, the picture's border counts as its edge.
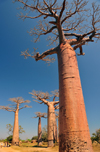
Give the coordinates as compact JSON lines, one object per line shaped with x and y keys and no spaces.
{"x":56,"y":132}
{"x":39,"y":133}
{"x":73,"y":126}
{"x":51,"y":124}
{"x":15,"y":140}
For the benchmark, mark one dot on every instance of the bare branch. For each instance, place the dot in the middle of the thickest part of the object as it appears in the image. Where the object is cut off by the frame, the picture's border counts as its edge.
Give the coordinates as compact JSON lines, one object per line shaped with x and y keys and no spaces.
{"x":7,"y":108}
{"x":42,"y":57}
{"x":50,"y":30}
{"x":25,"y":106}
{"x":44,"y":54}
{"x":38,"y":95}
{"x":41,"y":97}
{"x":56,"y":107}
{"x":63,"y":8}
{"x":56,"y":102}
{"x":14,"y":107}
{"x":71,"y":19}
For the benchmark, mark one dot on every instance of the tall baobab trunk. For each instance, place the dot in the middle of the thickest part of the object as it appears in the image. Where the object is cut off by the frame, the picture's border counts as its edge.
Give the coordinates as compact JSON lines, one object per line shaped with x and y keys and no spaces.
{"x":15,"y":140}
{"x":73,"y":123}
{"x":56,"y":132}
{"x":39,"y":133}
{"x":51,"y":125}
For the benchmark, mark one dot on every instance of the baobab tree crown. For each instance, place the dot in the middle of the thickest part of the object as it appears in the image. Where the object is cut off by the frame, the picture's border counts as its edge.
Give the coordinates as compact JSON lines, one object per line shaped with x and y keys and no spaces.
{"x":13,"y":107}
{"x":69,"y":22}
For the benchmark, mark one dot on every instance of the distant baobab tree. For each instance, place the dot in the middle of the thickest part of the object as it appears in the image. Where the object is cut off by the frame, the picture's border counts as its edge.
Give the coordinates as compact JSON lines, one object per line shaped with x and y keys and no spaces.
{"x":40,"y":115}
{"x":72,"y":25}
{"x":42,"y":97}
{"x":15,"y":108}
{"x":57,"y":128}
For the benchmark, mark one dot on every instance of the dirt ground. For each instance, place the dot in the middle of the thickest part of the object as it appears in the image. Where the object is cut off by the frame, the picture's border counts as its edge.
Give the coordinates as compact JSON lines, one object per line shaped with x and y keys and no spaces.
{"x":9,"y":149}
{"x":37,"y":149}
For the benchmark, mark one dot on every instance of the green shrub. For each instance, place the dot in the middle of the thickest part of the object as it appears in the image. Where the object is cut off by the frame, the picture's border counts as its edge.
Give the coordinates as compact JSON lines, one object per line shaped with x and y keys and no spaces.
{"x":9,"y":138}
{"x":96,"y":136}
{"x":34,"y":138}
{"x":29,"y":140}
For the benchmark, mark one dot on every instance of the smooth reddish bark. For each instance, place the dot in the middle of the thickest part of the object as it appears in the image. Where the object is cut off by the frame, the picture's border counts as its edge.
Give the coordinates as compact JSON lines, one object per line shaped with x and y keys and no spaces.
{"x":39,"y":132}
{"x":15,"y":140}
{"x":51,"y":124}
{"x":56,"y":132}
{"x":73,"y":126}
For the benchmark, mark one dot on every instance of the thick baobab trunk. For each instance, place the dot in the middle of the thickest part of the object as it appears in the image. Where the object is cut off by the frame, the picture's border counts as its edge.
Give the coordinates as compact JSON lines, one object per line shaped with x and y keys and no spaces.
{"x":15,"y":140}
{"x":51,"y":125}
{"x":56,"y":132}
{"x":73,"y":126}
{"x":39,"y":133}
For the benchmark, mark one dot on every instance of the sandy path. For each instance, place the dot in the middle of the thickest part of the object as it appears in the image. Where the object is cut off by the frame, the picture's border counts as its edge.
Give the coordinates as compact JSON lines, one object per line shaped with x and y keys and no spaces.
{"x":8,"y":149}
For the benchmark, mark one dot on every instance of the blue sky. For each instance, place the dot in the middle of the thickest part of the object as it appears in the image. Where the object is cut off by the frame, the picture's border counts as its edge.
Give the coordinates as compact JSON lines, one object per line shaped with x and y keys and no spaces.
{"x":19,"y":76}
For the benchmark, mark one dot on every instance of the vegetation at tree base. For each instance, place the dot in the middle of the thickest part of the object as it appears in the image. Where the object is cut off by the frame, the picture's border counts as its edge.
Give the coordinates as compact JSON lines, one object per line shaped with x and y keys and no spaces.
{"x":29,"y":140}
{"x":96,"y":136}
{"x":10,"y":129}
{"x":34,"y":138}
{"x":9,"y":138}
{"x":44,"y":134}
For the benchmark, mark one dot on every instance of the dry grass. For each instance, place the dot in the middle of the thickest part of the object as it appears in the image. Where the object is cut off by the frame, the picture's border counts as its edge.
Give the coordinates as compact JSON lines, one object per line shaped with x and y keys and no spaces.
{"x":96,"y":147}
{"x":29,"y":147}
{"x":35,"y":149}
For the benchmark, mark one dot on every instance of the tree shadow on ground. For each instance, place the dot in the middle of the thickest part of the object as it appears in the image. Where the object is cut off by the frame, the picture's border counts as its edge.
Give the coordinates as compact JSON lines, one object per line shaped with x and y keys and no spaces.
{"x":40,"y":146}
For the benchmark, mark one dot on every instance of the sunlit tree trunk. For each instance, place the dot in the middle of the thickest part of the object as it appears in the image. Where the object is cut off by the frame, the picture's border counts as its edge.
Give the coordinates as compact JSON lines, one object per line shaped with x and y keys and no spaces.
{"x":51,"y":119}
{"x":56,"y":132}
{"x":39,"y":133}
{"x":15,"y":140}
{"x":73,"y":126}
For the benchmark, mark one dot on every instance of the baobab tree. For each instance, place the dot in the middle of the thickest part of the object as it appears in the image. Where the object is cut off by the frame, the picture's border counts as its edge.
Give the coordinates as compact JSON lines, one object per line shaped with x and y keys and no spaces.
{"x":40,"y":115}
{"x":15,"y":108}
{"x":72,"y":25}
{"x":57,"y":128}
{"x":42,"y":97}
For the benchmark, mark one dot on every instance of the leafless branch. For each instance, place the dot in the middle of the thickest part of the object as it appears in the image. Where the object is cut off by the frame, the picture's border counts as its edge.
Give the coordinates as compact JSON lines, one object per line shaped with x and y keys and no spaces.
{"x":25,"y":106}
{"x":46,"y":53}
{"x":41,"y":97}
{"x":7,"y":108}
{"x":14,"y":107}
{"x":43,"y":56}
{"x":38,"y":95}
{"x":63,"y":8}
{"x":56,"y":107}
{"x":68,"y":18}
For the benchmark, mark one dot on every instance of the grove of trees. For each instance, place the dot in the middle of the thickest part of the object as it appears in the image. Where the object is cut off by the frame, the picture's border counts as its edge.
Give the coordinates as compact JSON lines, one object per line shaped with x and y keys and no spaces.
{"x":42,"y":97}
{"x":71,"y":24}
